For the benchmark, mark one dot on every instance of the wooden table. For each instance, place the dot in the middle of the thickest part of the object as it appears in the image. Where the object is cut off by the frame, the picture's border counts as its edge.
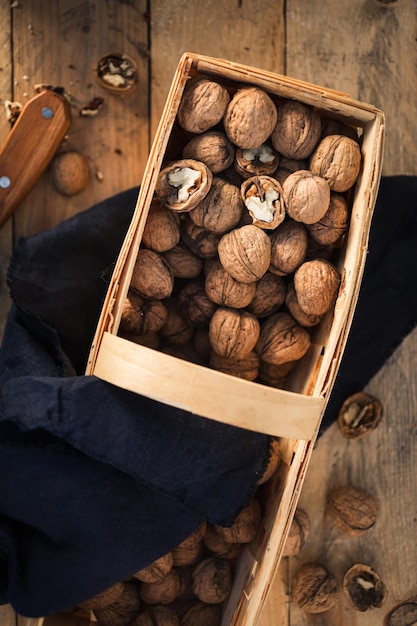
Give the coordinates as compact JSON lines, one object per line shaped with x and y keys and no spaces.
{"x":366,"y":48}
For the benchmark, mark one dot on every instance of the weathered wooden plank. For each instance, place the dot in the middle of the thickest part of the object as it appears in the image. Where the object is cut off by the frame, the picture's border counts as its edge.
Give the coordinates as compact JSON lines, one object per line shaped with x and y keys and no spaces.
{"x":7,"y":616}
{"x":60,"y":44}
{"x":235,"y":30}
{"x":368,"y":50}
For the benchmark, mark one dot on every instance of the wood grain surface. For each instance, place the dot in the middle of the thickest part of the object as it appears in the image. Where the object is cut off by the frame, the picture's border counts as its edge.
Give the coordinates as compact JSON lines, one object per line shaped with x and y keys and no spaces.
{"x":366,"y":48}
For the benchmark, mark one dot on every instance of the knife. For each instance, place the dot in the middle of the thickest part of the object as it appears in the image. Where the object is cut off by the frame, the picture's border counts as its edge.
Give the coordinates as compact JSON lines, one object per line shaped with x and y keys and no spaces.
{"x":30,"y":146}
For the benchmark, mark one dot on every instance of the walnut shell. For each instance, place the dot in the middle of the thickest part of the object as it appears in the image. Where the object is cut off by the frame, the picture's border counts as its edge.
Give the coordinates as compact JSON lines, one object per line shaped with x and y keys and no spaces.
{"x":156,"y":570}
{"x":221,"y":209}
{"x":359,"y":415}
{"x":141,"y":316}
{"x":334,"y":223}
{"x":293,"y":306}
{"x":212,"y":580}
{"x":104,"y":598}
{"x":288,"y":247}
{"x":337,"y":159}
{"x":218,"y":546}
{"x":245,"y":253}
{"x":194,"y":538}
{"x":298,"y":534}
{"x":194,"y":305}
{"x":275,"y":375}
{"x":70,"y":173}
{"x":202,"y":243}
{"x":289,"y":166}
{"x":162,"y":229}
{"x":123,"y":610}
{"x":151,"y":276}
{"x":269,"y":295}
{"x":330,"y":126}
{"x":363,"y":587}
{"x":202,"y":614}
{"x":187,"y":555}
{"x":165,"y":590}
{"x":282,"y":339}
{"x":297,"y":131}
{"x":246,"y":367}
{"x":202,"y":105}
{"x":316,"y":284}
{"x":225,"y":290}
{"x":156,"y":616}
{"x":353,"y":510}
{"x":250,"y":117}
{"x":213,"y":148}
{"x":403,"y":614}
{"x":233,"y":333}
{"x":259,"y":161}
{"x":245,"y":526}
{"x":264,"y":200}
{"x":176,"y":329}
{"x":306,"y":196}
{"x":314,"y":588}
{"x":181,"y":185}
{"x":183,"y":262}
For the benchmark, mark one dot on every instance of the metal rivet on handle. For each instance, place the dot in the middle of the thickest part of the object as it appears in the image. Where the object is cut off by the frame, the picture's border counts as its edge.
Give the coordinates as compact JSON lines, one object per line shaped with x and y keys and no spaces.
{"x":47,"y":113}
{"x":5,"y":182}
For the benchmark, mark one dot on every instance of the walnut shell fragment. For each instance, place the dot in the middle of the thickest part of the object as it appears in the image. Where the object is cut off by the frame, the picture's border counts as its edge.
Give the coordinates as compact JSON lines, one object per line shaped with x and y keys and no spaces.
{"x":353,"y":510}
{"x":181,"y":185}
{"x":151,"y":276}
{"x":306,"y":196}
{"x":314,"y":588}
{"x":337,"y":159}
{"x":359,"y":415}
{"x":245,"y":253}
{"x":220,"y":210}
{"x":298,"y":534}
{"x":212,"y":148}
{"x":363,"y":587}
{"x":316,"y":284}
{"x":233,"y":333}
{"x":250,"y":117}
{"x":202,"y":105}
{"x":212,"y":580}
{"x":260,"y":161}
{"x":282,"y":340}
{"x":263,"y":198}
{"x":297,"y":131}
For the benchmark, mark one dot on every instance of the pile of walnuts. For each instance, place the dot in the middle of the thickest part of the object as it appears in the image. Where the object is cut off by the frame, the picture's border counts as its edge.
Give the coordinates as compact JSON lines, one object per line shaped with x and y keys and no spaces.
{"x":238,"y":257}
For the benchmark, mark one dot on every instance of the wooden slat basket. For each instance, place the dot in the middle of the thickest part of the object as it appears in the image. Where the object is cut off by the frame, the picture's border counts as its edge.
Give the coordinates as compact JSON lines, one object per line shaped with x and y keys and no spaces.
{"x":293,"y":414}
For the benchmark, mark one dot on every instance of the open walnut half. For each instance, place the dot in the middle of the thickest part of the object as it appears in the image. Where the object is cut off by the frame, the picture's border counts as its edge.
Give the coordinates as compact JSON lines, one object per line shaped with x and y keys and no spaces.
{"x":262,"y":196}
{"x":181,"y":185}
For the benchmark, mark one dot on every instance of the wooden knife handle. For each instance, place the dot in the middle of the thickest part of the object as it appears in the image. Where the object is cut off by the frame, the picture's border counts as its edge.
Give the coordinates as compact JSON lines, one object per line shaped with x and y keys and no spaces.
{"x":30,"y":146}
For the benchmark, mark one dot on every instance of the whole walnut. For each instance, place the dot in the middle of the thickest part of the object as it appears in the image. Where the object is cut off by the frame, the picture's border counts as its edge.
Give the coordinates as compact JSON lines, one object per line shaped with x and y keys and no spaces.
{"x":221,"y":209}
{"x":194,"y":304}
{"x":186,"y":555}
{"x":123,"y":610}
{"x":212,"y":148}
{"x":233,"y":333}
{"x":162,"y":228}
{"x":334,"y":223}
{"x":293,"y":306}
{"x":194,"y":538}
{"x":176,"y":329}
{"x":218,"y":546}
{"x":70,"y":172}
{"x":269,"y":295}
{"x":245,"y":526}
{"x":298,"y":534}
{"x":182,"y":184}
{"x":289,"y":166}
{"x":330,"y":126}
{"x":260,"y":161}
{"x":223,"y":289}
{"x":142,"y":316}
{"x":183,"y":262}
{"x":337,"y":159}
{"x":156,"y":570}
{"x":263,"y":198}
{"x":314,"y":588}
{"x":201,"y":614}
{"x":282,"y":339}
{"x":273,"y":461}
{"x":297,"y":131}
{"x":202,"y":105}
{"x":288,"y":247}
{"x":156,"y":616}
{"x":306,"y":196}
{"x":212,"y":580}
{"x":250,"y":117}
{"x":275,"y":375}
{"x":104,"y":598}
{"x":201,"y":242}
{"x":151,"y":276}
{"x":246,"y":367}
{"x":165,"y":590}
{"x":245,"y":253}
{"x":352,"y":509}
{"x":316,"y":284}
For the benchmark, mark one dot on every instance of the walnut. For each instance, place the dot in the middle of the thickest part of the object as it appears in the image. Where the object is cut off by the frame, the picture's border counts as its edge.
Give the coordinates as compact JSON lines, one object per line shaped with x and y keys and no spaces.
{"x":194,"y":538}
{"x":293,"y":306}
{"x":202,"y":614}
{"x":289,"y":166}
{"x":353,"y":510}
{"x":275,"y":375}
{"x":183,"y":262}
{"x":363,"y":587}
{"x":202,"y":243}
{"x":213,"y":148}
{"x":156,"y":616}
{"x":259,"y":161}
{"x":182,"y":184}
{"x":123,"y":610}
{"x":151,"y":276}
{"x":194,"y":304}
{"x":176,"y":329}
{"x":337,"y":159}
{"x":263,"y":199}
{"x":269,"y":295}
{"x":218,"y":546}
{"x":359,"y":415}
{"x":162,"y":228}
{"x":403,"y":614}
{"x":246,"y":367}
{"x":220,"y":210}
{"x":334,"y":223}
{"x":233,"y":333}
{"x":202,"y":105}
{"x":331,"y":126}
{"x":156,"y":570}
{"x":245,"y":253}
{"x":225,"y":290}
{"x":141,"y":316}
{"x":150,"y":340}
{"x":250,"y":117}
{"x":298,"y":533}
{"x":297,"y":131}
{"x":70,"y":173}
{"x":282,"y":339}
{"x":245,"y":526}
{"x":306,"y":196}
{"x":212,"y":580}
{"x":288,"y":247}
{"x":316,"y":284}
{"x":187,"y":554}
{"x":273,"y":461}
{"x":165,"y":590}
{"x":104,"y":598}
{"x":314,"y":588}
